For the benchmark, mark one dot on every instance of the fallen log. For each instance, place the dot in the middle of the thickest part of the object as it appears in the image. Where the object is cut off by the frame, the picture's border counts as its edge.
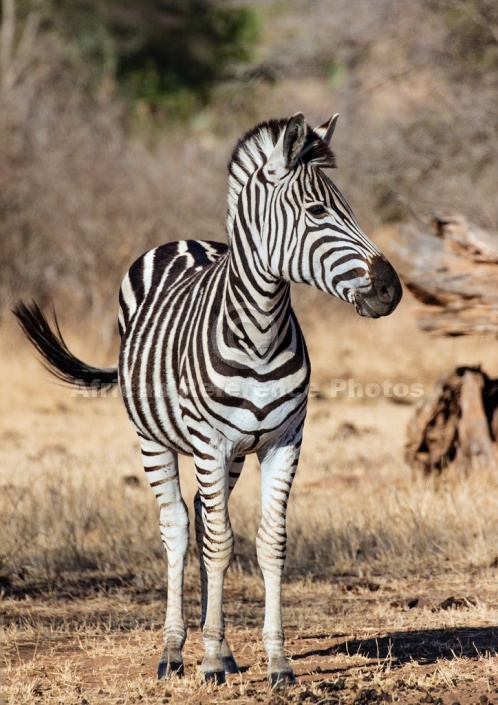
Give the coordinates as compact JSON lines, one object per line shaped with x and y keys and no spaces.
{"x":452,"y":268}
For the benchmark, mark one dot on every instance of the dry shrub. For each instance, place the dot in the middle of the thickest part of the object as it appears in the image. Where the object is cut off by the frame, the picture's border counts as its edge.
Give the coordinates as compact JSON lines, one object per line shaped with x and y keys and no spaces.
{"x":418,"y":127}
{"x":82,"y":196}
{"x":57,"y":524}
{"x":400,"y":531}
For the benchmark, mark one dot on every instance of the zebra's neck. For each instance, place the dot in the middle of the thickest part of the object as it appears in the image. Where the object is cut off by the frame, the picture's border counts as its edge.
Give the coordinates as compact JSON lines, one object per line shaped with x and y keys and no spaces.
{"x":254,"y":317}
{"x":256,"y":306}
{"x":255,"y":310}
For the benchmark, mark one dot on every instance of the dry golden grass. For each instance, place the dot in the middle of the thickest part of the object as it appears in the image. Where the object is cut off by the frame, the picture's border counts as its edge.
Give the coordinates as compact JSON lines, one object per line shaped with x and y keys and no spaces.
{"x":373,"y":553}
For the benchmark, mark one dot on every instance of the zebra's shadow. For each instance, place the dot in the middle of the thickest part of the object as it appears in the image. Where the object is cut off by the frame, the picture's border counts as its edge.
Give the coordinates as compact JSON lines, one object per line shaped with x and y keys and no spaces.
{"x":423,"y":646}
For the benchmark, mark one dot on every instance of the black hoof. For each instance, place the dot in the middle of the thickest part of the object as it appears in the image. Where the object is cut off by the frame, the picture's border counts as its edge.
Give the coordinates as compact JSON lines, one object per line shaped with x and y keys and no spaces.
{"x":281,"y":679}
{"x":166,"y":670}
{"x":216,"y":677}
{"x":230,"y":665}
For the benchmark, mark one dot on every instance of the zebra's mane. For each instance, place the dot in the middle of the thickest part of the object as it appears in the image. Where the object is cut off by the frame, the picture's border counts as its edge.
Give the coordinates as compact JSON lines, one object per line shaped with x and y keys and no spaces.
{"x":254,"y":149}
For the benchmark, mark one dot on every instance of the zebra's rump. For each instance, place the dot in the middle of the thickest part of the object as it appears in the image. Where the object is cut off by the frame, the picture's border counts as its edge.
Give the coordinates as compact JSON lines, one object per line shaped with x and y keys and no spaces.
{"x":155,"y":303}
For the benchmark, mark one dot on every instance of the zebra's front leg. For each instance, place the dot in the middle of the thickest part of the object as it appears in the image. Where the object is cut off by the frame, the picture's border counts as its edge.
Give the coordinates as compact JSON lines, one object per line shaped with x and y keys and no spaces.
{"x":278,"y":467}
{"x":229,"y":663}
{"x":217,"y":551}
{"x":161,"y":467}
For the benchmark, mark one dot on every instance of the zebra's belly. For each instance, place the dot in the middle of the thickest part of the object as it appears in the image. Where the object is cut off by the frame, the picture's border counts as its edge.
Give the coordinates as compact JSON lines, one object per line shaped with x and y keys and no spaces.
{"x":154,"y":410}
{"x":172,"y":401}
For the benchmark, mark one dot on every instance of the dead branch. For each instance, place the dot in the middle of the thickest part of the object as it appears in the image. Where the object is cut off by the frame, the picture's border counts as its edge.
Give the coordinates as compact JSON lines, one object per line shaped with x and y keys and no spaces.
{"x":452,"y":270}
{"x":16,"y":56}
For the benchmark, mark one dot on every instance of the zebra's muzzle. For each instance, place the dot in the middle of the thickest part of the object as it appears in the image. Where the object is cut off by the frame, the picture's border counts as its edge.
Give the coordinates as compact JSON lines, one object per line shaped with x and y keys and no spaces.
{"x":385,"y":291}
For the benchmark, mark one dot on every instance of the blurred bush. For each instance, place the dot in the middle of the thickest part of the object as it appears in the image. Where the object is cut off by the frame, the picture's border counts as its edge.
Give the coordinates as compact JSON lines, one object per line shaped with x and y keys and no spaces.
{"x":166,"y":53}
{"x":117,"y":119}
{"x":82,"y":194}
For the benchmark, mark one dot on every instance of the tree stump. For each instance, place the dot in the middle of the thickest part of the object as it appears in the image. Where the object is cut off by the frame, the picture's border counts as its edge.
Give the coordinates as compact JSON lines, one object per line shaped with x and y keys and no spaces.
{"x":456,"y":425}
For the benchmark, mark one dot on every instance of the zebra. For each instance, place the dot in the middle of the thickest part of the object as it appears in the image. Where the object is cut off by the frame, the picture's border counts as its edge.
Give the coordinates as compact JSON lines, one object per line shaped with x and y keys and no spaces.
{"x":213,"y":364}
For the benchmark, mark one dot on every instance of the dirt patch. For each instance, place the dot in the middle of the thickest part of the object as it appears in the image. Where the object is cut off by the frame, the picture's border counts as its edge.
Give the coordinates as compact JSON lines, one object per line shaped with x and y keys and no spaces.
{"x":350,"y":643}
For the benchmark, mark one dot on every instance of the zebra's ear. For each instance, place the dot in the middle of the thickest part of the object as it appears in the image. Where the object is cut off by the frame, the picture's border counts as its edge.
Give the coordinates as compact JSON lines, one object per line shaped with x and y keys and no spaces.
{"x":326,"y":130}
{"x":286,"y":152}
{"x":294,"y":139}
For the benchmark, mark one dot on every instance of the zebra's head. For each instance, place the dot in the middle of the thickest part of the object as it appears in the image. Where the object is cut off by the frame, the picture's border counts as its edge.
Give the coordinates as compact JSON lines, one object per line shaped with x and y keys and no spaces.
{"x":307,"y":232}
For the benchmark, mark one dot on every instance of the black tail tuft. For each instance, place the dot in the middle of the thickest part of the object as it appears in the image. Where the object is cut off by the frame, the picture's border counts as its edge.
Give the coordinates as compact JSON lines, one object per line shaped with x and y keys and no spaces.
{"x":55,"y":354}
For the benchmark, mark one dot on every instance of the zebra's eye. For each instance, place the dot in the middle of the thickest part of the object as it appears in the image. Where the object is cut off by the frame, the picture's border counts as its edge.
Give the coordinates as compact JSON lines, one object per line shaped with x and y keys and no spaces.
{"x":317,"y":209}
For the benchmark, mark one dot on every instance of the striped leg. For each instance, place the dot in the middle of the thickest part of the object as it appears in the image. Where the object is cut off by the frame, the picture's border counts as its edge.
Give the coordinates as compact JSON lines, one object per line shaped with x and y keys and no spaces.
{"x":278,"y":467}
{"x":161,"y":467}
{"x":217,"y":549}
{"x":229,"y":663}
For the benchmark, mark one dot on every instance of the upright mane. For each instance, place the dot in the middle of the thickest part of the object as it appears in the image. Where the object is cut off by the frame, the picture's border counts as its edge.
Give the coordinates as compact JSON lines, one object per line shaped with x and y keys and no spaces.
{"x":254,"y":149}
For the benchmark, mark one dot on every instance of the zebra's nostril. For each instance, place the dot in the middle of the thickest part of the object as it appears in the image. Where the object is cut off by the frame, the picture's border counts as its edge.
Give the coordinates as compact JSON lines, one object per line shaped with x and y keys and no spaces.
{"x":386,"y":286}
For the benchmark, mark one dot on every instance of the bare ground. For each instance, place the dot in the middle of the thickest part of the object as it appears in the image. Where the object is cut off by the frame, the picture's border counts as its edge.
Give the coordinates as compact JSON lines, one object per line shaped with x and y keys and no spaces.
{"x":351,"y":641}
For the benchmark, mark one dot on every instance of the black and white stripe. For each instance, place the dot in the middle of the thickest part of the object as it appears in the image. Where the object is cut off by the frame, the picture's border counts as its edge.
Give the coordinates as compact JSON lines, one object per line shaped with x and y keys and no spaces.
{"x":213,"y":363}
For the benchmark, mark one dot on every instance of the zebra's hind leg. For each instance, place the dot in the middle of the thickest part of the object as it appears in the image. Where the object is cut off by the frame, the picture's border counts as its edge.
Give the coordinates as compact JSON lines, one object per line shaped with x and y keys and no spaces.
{"x":278,"y":467}
{"x":229,"y":662}
{"x":161,"y":467}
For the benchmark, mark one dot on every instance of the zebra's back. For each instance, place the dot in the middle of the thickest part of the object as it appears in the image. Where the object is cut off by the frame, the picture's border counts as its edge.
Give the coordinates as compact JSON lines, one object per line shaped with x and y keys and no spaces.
{"x":161,"y":268}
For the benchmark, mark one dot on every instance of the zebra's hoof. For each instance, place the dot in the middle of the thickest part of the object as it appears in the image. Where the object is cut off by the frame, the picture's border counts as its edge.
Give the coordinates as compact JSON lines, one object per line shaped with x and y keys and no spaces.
{"x":171,"y":668}
{"x":216,"y":677}
{"x":281,"y":679}
{"x":229,"y":665}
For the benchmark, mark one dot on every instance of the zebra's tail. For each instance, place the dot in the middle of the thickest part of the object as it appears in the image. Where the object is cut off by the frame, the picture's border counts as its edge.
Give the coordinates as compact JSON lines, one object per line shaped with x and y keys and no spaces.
{"x":56,"y":357}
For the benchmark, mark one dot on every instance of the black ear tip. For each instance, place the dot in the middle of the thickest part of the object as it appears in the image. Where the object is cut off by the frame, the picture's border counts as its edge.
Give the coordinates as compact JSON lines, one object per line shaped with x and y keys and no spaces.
{"x":297,"y":125}
{"x":298,"y":118}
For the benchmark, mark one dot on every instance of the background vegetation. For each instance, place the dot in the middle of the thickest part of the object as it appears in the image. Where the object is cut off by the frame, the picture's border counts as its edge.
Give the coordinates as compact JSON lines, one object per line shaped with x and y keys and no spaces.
{"x":117,"y":119}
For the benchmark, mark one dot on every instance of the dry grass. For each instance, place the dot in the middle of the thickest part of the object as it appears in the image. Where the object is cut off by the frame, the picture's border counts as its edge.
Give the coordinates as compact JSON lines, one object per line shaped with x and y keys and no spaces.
{"x":373,"y":552}
{"x":347,"y":641}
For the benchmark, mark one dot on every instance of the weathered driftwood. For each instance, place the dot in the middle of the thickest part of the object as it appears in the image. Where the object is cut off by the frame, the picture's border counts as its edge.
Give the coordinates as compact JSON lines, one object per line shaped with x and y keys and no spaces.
{"x":453,"y":271}
{"x":457,"y":424}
